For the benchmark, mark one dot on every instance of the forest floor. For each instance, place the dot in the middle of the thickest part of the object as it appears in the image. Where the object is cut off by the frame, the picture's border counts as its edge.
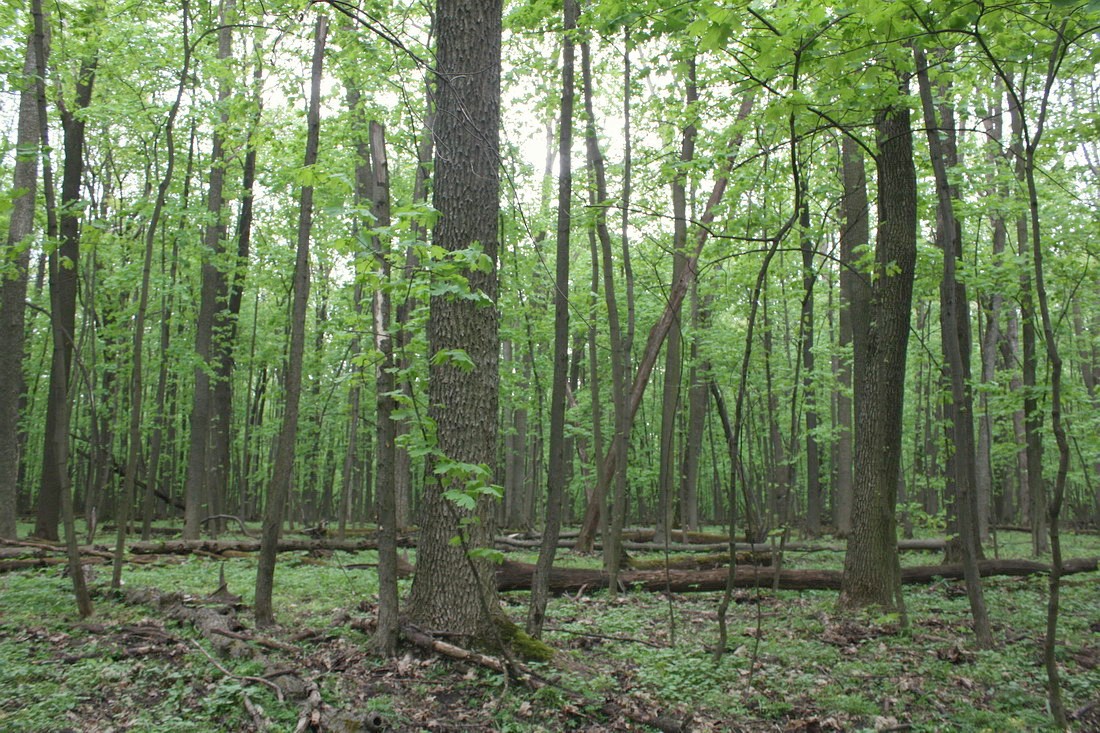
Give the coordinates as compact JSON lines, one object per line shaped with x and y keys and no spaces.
{"x":793,"y":663}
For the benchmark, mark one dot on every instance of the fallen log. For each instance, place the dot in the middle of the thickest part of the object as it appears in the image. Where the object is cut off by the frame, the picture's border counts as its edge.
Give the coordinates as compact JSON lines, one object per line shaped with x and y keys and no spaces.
{"x":640,"y":540}
{"x":218,"y":547}
{"x":517,"y":576}
{"x":27,"y":563}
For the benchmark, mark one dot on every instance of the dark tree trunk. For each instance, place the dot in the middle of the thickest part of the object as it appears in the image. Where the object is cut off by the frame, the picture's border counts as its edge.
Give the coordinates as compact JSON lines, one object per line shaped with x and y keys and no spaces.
{"x":283,"y":469}
{"x":64,"y":264}
{"x":451,"y":590}
{"x":955,"y":337}
{"x":212,"y":299}
{"x":872,"y":573}
{"x":556,"y":470}
{"x":385,"y":638}
{"x":669,"y":478}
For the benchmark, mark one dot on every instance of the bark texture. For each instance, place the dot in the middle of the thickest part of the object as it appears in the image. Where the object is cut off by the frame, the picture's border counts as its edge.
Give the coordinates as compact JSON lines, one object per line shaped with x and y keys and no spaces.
{"x":452,"y":591}
{"x":872,"y":574}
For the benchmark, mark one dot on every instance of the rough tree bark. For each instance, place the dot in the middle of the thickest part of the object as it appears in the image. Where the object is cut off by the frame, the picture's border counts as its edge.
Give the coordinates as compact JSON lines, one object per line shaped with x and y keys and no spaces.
{"x":13,"y":290}
{"x":872,"y":573}
{"x":64,"y":264}
{"x":213,"y":292}
{"x":452,"y":591}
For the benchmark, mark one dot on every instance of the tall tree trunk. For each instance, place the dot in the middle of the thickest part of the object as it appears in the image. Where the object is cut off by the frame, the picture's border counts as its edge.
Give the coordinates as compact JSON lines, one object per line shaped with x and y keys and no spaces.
{"x":452,"y":591}
{"x":227,"y":326}
{"x":1033,"y":418}
{"x":212,"y":300}
{"x":992,"y":306}
{"x":813,"y":453}
{"x":385,"y":637}
{"x":283,"y":469}
{"x":668,"y":475}
{"x":659,"y":330}
{"x":556,"y":470}
{"x":955,"y":338}
{"x":872,"y":572}
{"x":853,"y":295}
{"x":56,"y":483}
{"x":363,"y":191}
{"x":1031,"y":138}
{"x":13,"y":291}
{"x":616,"y":454}
{"x":64,"y":264}
{"x":161,"y":419}
{"x":697,"y":414}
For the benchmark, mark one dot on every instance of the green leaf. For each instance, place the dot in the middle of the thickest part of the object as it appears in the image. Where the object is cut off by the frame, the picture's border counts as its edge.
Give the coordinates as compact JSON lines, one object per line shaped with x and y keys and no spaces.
{"x":454,"y":357}
{"x":460,"y":499}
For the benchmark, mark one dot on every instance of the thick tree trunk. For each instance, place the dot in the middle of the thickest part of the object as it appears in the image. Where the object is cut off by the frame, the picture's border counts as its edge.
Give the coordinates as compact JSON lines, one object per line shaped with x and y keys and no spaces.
{"x":13,"y":291}
{"x":871,"y":568}
{"x":451,"y":590}
{"x":212,"y":298}
{"x":64,"y":264}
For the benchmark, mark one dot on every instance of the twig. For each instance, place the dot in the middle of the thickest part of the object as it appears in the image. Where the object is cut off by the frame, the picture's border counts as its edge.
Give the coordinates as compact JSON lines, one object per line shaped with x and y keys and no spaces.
{"x":244,"y":678}
{"x":605,"y":636}
{"x":258,"y":718}
{"x":310,"y":719}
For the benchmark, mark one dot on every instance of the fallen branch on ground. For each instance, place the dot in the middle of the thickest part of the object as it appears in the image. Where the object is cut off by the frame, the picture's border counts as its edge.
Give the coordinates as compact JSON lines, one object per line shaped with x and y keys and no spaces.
{"x":535,"y":682}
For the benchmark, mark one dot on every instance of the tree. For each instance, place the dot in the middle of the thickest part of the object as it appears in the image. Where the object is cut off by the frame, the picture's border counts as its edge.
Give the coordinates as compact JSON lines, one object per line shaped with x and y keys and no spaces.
{"x":872,"y":572}
{"x":453,"y":591}
{"x":556,"y":471}
{"x":955,"y":337}
{"x":63,"y":266}
{"x":13,"y":290}
{"x":285,"y":449}
{"x":215,"y":289}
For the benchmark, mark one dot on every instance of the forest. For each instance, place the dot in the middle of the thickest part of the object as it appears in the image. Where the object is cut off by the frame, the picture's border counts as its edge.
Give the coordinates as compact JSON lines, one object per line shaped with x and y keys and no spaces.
{"x":780,"y":308}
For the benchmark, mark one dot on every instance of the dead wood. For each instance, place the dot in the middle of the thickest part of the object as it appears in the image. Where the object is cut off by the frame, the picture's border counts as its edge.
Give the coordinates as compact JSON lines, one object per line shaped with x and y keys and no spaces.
{"x":642,"y":540}
{"x":517,"y":576}
{"x":535,"y":682}
{"x":240,"y":522}
{"x":218,"y":547}
{"x":708,"y":561}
